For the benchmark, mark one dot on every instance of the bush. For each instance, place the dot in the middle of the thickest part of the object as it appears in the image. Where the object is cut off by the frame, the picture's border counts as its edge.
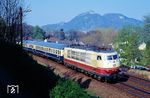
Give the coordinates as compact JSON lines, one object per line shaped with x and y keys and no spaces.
{"x":68,"y":89}
{"x":145,"y":56}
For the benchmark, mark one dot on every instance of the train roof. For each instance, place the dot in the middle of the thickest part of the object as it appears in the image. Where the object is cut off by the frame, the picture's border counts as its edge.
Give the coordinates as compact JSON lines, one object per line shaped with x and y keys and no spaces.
{"x":93,"y":48}
{"x":46,"y":44}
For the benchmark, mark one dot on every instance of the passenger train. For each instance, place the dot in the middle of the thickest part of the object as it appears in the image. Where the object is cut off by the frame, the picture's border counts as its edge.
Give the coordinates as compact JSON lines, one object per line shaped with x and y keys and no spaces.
{"x":102,"y":64}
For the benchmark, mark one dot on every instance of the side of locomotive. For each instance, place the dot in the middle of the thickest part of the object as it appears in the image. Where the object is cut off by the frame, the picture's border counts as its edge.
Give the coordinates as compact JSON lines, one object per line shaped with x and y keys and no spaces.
{"x":100,"y":64}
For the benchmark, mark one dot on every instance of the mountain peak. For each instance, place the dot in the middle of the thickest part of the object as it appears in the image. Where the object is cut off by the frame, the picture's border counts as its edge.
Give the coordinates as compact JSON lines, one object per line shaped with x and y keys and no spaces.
{"x":91,"y":12}
{"x":114,"y":15}
{"x":87,"y":13}
{"x":90,"y":20}
{"x":121,"y":17}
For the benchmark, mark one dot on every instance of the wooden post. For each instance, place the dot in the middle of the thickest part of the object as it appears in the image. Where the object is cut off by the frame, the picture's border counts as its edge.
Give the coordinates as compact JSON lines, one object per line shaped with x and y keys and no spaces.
{"x":21,"y":31}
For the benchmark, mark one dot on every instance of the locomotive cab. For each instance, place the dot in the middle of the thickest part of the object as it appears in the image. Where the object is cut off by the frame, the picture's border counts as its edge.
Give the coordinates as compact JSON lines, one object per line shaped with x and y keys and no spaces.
{"x":111,"y":61}
{"x":108,"y":63}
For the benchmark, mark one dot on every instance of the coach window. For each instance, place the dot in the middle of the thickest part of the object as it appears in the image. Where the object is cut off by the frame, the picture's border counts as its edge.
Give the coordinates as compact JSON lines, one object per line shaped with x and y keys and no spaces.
{"x":49,"y":49}
{"x":46,"y":49}
{"x":30,"y":46}
{"x":57,"y":52}
{"x":99,"y":58}
{"x":53,"y":51}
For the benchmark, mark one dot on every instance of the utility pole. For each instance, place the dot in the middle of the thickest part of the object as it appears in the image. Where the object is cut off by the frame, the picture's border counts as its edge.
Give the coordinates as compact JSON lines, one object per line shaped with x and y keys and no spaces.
{"x":21,"y":25}
{"x":21,"y":31}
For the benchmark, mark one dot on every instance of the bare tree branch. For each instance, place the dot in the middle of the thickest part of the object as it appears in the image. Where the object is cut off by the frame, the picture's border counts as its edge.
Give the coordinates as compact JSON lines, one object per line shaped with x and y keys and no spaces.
{"x":11,"y":15}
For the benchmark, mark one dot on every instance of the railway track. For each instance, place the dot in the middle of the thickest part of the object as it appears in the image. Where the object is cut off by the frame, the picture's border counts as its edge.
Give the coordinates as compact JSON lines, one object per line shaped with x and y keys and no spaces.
{"x":140,"y":82}
{"x":137,"y":86}
{"x":129,"y":89}
{"x":145,"y":81}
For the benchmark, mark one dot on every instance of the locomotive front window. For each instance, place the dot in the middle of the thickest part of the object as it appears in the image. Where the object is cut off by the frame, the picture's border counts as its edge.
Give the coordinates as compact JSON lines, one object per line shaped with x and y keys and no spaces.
{"x":115,"y":57}
{"x":112,"y":57}
{"x":109,"y":58}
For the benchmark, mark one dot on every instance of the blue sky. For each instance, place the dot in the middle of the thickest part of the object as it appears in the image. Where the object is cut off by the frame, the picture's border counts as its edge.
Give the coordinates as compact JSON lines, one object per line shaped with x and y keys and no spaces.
{"x":55,"y":11}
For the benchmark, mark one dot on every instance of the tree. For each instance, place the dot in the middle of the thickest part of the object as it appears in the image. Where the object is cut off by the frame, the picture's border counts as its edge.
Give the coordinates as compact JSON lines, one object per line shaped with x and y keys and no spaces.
{"x":68,"y":89}
{"x":72,"y":35}
{"x":145,"y":54}
{"x":27,"y":31}
{"x":2,"y":26}
{"x":92,"y":38}
{"x":146,"y":32}
{"x":38,"y":33}
{"x":99,"y":37}
{"x":11,"y":11}
{"x":127,"y":43}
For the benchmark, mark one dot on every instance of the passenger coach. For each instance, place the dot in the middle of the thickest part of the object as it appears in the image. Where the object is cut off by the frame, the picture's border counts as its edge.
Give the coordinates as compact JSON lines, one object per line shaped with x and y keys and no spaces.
{"x":51,"y":50}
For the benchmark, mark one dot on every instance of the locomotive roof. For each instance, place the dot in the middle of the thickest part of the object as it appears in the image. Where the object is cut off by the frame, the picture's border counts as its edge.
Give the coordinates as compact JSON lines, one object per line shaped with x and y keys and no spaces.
{"x":46,"y":44}
{"x":93,"y":48}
